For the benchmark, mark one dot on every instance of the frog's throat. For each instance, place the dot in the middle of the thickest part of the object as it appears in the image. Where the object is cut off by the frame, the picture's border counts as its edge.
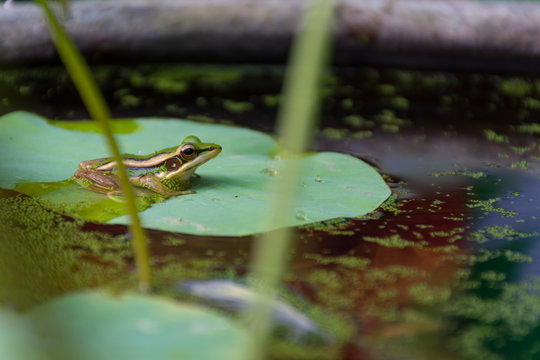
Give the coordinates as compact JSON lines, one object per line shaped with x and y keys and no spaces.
{"x":188,"y":168}
{"x":177,"y":184}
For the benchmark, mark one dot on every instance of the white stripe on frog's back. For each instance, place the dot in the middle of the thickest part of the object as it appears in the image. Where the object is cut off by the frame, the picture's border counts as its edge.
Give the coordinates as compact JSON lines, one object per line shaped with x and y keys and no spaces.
{"x":149,"y":162}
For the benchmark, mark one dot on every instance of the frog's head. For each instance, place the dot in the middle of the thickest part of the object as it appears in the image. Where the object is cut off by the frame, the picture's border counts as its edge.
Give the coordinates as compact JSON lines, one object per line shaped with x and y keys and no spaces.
{"x":189,"y":155}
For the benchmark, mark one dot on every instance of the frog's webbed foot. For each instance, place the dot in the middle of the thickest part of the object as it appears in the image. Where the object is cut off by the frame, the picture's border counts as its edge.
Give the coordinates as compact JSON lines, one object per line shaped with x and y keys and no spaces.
{"x":185,"y":192}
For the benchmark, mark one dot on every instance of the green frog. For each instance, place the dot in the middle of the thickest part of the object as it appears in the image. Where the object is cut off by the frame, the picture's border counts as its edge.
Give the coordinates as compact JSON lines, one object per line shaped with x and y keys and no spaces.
{"x":167,"y":172}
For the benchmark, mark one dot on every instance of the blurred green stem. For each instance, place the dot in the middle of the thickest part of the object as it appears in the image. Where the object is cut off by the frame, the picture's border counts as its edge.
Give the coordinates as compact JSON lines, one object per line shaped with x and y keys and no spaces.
{"x":296,"y":120}
{"x":90,"y":94}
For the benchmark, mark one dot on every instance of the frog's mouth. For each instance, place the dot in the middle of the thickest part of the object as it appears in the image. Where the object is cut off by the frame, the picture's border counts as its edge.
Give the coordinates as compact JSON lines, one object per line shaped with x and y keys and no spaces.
{"x":189,"y":167}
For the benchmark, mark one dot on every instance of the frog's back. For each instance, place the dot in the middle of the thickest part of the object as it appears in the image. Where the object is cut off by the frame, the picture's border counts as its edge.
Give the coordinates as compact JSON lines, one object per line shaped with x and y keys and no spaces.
{"x":132,"y":161}
{"x":169,"y":152}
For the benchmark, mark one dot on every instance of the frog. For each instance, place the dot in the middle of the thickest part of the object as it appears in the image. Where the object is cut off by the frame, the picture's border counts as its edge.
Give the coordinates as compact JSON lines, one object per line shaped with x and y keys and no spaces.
{"x":165,"y":173}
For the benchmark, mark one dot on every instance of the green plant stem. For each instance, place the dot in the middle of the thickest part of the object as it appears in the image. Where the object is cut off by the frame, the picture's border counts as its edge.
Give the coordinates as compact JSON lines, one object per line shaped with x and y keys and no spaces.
{"x":296,"y":121}
{"x":92,"y":98}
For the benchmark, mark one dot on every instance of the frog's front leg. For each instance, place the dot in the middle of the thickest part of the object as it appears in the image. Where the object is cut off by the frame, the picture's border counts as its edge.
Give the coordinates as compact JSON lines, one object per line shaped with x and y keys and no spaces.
{"x":153,"y":183}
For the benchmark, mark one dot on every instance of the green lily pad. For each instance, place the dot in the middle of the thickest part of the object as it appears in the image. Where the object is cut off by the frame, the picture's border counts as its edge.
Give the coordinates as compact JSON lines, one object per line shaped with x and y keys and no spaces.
{"x":18,"y":339}
{"x":96,"y":325}
{"x":232,"y":193}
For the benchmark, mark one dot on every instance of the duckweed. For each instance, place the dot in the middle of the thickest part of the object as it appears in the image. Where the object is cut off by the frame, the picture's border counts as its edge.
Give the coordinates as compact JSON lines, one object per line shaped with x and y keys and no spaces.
{"x":44,"y":255}
{"x":498,"y":232}
{"x":516,"y":87}
{"x":493,"y":136}
{"x":237,"y":107}
{"x":394,"y":241}
{"x":271,"y":100}
{"x":345,"y":261}
{"x":530,"y":128}
{"x":520,"y":165}
{"x":460,"y":172}
{"x":487,"y":206}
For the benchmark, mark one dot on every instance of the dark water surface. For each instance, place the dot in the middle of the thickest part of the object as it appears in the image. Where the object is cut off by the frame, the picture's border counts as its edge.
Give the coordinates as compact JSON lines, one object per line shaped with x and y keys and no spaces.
{"x":446,"y":269}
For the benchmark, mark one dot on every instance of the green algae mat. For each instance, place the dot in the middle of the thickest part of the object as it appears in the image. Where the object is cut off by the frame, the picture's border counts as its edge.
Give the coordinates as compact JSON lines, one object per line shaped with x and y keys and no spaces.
{"x":38,"y":158}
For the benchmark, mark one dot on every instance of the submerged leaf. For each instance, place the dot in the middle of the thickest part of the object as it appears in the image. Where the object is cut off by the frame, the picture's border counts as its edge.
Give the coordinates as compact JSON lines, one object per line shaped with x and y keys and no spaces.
{"x":232,"y":193}
{"x":289,"y":322}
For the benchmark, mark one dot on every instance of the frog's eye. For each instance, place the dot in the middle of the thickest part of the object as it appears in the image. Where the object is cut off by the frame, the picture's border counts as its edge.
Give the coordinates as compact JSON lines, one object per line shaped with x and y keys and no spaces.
{"x":173,"y":164}
{"x":188,"y":152}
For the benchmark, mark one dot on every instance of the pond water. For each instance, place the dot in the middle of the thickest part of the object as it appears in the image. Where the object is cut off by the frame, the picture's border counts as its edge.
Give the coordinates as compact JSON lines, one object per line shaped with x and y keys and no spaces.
{"x":445,"y":269}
